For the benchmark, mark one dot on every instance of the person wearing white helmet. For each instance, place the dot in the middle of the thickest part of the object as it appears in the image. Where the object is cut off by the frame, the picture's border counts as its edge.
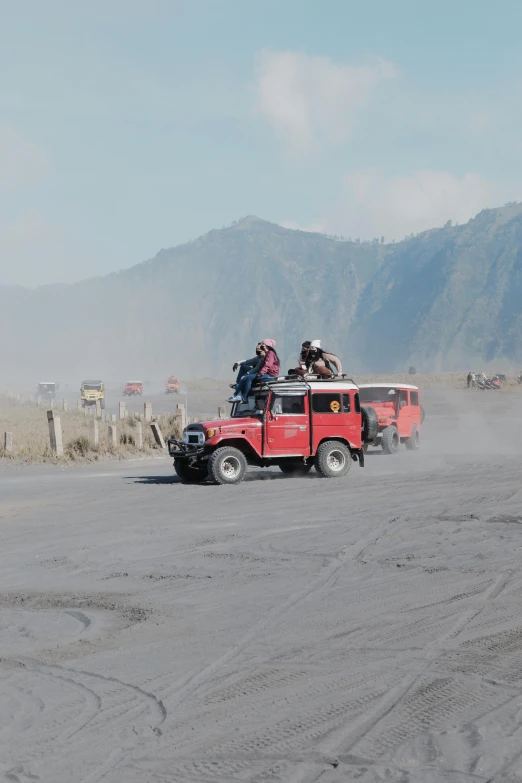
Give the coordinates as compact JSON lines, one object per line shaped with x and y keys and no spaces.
{"x":321,"y":362}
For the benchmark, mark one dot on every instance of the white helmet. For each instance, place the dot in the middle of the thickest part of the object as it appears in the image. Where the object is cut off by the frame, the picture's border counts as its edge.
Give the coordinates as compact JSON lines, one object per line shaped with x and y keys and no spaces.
{"x":315,"y":344}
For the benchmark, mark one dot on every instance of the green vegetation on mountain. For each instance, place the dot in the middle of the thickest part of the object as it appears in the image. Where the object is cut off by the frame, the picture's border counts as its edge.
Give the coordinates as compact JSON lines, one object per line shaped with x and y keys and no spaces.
{"x":445,"y":299}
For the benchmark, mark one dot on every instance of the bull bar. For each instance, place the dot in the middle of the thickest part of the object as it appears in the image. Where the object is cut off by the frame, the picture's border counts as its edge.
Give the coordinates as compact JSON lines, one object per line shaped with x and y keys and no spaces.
{"x":181,"y":450}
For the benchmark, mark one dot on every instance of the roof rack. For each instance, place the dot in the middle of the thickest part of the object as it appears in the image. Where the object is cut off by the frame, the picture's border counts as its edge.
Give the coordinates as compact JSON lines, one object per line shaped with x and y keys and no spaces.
{"x":305,"y":380}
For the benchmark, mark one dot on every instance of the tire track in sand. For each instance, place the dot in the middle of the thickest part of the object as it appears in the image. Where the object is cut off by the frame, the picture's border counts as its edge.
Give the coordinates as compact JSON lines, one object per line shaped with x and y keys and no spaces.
{"x":345,"y":738}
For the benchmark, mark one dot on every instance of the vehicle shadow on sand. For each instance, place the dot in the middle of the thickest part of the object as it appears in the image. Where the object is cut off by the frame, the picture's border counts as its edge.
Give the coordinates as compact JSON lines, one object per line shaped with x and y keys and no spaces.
{"x":153,"y":479}
{"x":255,"y":475}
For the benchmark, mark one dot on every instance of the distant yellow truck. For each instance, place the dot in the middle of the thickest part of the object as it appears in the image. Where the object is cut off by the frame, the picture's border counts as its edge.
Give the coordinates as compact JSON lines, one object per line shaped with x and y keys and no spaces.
{"x":91,"y":392}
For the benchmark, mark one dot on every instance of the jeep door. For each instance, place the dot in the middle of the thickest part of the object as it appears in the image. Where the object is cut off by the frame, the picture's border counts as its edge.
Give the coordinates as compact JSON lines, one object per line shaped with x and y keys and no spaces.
{"x":415,"y":409}
{"x":287,"y":426}
{"x":333,"y":417}
{"x":404,"y":417}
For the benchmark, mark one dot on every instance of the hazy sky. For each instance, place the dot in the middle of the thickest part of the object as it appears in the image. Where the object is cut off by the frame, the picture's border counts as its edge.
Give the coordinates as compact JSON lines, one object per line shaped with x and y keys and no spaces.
{"x":131,"y":125}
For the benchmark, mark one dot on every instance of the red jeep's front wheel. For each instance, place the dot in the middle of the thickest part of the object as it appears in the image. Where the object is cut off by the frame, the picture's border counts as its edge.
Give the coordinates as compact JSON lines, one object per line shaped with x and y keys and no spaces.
{"x":413,"y":442}
{"x":390,"y":441}
{"x":227,"y":465}
{"x":189,"y":473}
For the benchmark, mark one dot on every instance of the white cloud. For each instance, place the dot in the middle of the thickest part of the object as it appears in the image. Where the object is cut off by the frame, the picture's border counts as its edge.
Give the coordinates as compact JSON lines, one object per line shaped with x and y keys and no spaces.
{"x":311,"y":102}
{"x":22,"y":162}
{"x":373,"y":205}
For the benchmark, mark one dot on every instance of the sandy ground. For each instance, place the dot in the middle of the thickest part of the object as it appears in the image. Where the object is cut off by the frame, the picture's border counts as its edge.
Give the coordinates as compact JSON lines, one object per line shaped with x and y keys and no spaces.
{"x":281,"y":631}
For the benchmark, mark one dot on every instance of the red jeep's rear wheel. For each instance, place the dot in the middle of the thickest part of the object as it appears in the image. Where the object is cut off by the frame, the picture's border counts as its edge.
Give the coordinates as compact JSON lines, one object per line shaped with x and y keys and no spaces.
{"x":390,"y":440}
{"x":333,"y":459}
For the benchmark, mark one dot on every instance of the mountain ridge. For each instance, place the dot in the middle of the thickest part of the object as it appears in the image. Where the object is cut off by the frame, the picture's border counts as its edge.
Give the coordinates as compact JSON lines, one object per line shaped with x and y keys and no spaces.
{"x":443,"y":299}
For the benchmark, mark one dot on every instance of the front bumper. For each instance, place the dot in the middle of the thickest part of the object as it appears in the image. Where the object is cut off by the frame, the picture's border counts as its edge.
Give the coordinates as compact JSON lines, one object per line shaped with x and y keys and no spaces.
{"x":181,"y":450}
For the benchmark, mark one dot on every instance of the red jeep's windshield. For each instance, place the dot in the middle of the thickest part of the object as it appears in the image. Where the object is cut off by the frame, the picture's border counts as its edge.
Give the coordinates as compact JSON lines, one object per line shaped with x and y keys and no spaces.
{"x":254,"y":406}
{"x":377,"y":394}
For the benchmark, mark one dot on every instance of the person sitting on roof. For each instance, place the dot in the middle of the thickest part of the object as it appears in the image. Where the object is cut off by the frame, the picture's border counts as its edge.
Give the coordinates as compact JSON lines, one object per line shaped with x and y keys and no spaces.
{"x":268,"y":371}
{"x":246,"y":366}
{"x":316,"y":361}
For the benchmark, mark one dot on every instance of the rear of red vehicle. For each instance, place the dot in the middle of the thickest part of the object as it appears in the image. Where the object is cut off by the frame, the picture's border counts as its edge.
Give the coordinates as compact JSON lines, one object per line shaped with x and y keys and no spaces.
{"x":133,"y":388}
{"x":172,"y":385}
{"x":392,"y":414}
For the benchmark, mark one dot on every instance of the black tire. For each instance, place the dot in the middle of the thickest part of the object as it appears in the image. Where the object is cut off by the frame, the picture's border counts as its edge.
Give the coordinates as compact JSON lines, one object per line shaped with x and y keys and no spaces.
{"x":189,"y":473}
{"x":227,"y":465}
{"x":413,"y":442}
{"x":102,"y":404}
{"x":390,"y":440}
{"x":370,"y":423}
{"x":423,"y":415}
{"x":333,"y":459}
{"x":295,"y":469}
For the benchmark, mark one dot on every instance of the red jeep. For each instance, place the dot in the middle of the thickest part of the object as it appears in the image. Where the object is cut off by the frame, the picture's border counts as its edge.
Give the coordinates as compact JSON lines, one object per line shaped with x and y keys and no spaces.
{"x":133,"y":388}
{"x":172,"y":385}
{"x":295,"y":424}
{"x":392,"y":414}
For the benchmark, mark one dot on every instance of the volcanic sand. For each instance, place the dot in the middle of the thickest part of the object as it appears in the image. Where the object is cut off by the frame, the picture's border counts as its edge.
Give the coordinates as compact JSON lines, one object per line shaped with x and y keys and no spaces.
{"x":284,"y":630}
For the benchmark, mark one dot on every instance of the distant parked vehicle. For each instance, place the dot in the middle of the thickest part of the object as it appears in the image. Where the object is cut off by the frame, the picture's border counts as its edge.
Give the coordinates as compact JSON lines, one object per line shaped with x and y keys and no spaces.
{"x":484,"y":383}
{"x":92,"y":392}
{"x":172,"y":385}
{"x":47,"y":390}
{"x":133,"y":389}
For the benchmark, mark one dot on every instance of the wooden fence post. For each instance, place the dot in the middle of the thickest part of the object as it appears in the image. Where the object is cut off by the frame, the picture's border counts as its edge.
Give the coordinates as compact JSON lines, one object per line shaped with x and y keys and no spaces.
{"x":181,"y":416}
{"x":96,"y":432}
{"x":112,"y":434}
{"x":158,"y":437}
{"x":147,"y":411}
{"x":8,"y":442}
{"x":55,"y":433}
{"x":139,"y":435}
{"x":122,"y":410}
{"x":222,"y":412}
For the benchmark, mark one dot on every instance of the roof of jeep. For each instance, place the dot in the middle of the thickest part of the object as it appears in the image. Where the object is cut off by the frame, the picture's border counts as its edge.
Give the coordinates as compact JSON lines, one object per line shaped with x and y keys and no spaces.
{"x":315,"y":384}
{"x":386,"y":385}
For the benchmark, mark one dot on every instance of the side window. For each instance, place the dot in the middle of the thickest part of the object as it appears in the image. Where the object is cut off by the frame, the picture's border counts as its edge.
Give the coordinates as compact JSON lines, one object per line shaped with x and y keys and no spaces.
{"x":357,"y":402}
{"x":346,"y":403}
{"x":414,"y":398}
{"x":324,"y":402}
{"x":403,"y":397}
{"x":288,"y":405}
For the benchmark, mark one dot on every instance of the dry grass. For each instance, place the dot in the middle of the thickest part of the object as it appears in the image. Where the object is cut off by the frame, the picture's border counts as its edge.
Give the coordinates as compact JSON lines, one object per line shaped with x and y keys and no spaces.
{"x":28,"y":425}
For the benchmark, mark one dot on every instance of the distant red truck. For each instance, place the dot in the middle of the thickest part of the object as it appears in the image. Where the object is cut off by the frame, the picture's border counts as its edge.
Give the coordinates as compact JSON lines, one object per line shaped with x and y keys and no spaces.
{"x":172,"y":385}
{"x":392,"y":414}
{"x":133,"y":388}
